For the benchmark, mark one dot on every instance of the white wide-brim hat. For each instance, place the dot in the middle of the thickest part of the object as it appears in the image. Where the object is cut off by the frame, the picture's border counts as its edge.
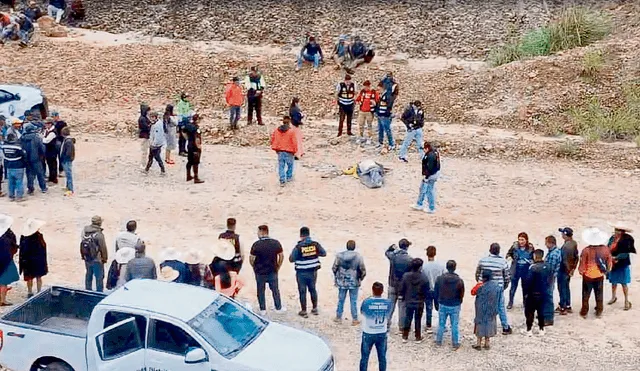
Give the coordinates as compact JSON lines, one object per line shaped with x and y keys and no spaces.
{"x":5,"y":223}
{"x":594,"y":237}
{"x":193,"y":256}
{"x":125,"y":255}
{"x":169,"y":253}
{"x":32,"y":226}
{"x":168,"y":274}
{"x":623,"y":226}
{"x":223,"y":249}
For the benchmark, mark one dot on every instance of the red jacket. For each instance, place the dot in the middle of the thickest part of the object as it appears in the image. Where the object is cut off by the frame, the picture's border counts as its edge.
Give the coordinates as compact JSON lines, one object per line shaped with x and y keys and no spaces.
{"x":233,"y":95}
{"x":284,"y":139}
{"x":367,"y":100}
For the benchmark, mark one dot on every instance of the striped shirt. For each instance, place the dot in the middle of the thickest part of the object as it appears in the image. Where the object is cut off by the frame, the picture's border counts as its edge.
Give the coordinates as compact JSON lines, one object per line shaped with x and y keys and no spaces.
{"x":498,"y":267}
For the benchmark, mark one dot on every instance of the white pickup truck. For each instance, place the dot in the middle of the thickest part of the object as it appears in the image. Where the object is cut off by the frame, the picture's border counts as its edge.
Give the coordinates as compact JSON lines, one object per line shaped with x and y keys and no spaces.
{"x":149,"y":325}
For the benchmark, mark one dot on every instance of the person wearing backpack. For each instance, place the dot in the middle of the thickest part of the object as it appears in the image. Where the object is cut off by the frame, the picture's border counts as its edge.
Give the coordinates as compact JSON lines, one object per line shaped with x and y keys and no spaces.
{"x":93,"y":250}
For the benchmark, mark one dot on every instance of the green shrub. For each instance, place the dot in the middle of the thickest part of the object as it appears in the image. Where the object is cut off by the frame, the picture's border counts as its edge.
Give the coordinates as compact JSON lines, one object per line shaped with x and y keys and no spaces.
{"x":636,"y":140}
{"x":592,"y":63}
{"x":568,"y":149}
{"x":595,"y":122}
{"x":575,"y":27}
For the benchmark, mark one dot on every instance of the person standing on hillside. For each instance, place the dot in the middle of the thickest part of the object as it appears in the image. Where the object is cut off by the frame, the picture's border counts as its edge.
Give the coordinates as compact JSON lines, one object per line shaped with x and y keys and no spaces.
{"x":93,"y":250}
{"x":33,"y":255}
{"x":285,"y":143}
{"x":234,"y":99}
{"x":296,"y":121}
{"x":306,"y":257}
{"x":431,"y":269}
{"x":413,"y":119}
{"x":194,"y":148}
{"x":595,"y":264}
{"x":310,"y":52}
{"x":59,"y":124}
{"x":51,"y":148}
{"x":345,"y":95}
{"x":349,"y":271}
{"x":15,"y":165}
{"x":67,"y":156}
{"x":431,"y":173}
{"x":144,"y":130}
{"x":254,"y":83}
{"x":536,"y":288}
{"x":570,"y":258}
{"x":414,"y":288}
{"x":521,"y":255}
{"x":157,"y":140}
{"x":499,"y":268}
{"x":34,"y":154}
{"x":554,"y":261}
{"x":449,"y":292}
{"x":621,"y":245}
{"x":391,"y":86}
{"x":170,"y":126}
{"x":234,"y":239}
{"x":8,"y":248}
{"x":375,"y":311}
{"x":383,"y":113}
{"x":399,"y":261}
{"x":367,"y":98}
{"x":184,"y":109}
{"x":128,"y":238}
{"x":266,"y":258}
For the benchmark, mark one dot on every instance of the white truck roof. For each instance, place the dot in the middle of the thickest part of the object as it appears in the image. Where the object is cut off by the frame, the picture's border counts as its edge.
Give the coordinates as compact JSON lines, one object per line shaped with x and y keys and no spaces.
{"x":176,"y":300}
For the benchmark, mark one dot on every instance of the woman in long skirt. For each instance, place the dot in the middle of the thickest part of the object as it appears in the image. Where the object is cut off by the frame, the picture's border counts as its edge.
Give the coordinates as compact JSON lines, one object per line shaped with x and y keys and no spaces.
{"x":8,"y":248}
{"x":33,"y":255}
{"x":621,"y":245}
{"x":171,"y":132}
{"x":487,"y":295}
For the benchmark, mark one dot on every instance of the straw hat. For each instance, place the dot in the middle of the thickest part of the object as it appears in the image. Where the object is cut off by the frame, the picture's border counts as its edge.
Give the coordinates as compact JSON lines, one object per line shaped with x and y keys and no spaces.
{"x":623,"y":226}
{"x":223,"y":249}
{"x":193,"y":256}
{"x":169,"y":253}
{"x":125,"y":255}
{"x":594,"y":237}
{"x":32,"y":226}
{"x":5,"y":223}
{"x":168,"y":274}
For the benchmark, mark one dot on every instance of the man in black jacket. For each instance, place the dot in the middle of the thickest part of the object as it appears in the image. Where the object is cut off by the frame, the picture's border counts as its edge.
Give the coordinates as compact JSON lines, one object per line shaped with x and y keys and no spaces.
{"x":399,"y":261}
{"x":449,"y":292}
{"x":535,"y":287}
{"x":144,"y":131}
{"x":414,"y":289}
{"x":413,"y":119}
{"x":34,"y":156}
{"x":431,"y":173}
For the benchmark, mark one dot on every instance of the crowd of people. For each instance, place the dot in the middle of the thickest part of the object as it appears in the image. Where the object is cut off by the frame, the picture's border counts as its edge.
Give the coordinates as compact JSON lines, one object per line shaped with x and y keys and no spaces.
{"x":39,"y":150}
{"x":415,"y":286}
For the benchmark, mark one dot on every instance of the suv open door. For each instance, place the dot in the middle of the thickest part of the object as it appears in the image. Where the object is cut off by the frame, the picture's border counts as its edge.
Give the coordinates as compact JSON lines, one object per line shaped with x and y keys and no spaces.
{"x":118,"y":347}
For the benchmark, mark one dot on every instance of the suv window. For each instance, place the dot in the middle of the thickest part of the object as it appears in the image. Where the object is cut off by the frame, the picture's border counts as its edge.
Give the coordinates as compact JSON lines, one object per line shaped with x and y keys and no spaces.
{"x":119,"y":341}
{"x":5,"y":96}
{"x":114,"y":317}
{"x":168,"y":338}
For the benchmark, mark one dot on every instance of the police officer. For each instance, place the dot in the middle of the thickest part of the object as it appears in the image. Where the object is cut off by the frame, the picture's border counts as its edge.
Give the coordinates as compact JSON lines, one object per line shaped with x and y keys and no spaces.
{"x":346,"y":94}
{"x":254,"y":83}
{"x":306,"y":258}
{"x":194,"y":149}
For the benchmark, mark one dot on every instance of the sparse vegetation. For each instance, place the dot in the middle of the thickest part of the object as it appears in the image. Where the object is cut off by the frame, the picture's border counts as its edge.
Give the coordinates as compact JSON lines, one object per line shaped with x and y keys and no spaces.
{"x":575,"y":27}
{"x":592,"y":63}
{"x":568,"y":149}
{"x":637,"y":141}
{"x":596,"y":122}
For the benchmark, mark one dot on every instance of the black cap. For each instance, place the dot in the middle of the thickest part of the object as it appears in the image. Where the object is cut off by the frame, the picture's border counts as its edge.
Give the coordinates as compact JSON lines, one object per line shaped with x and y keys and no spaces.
{"x":404,"y":243}
{"x":566,"y":231}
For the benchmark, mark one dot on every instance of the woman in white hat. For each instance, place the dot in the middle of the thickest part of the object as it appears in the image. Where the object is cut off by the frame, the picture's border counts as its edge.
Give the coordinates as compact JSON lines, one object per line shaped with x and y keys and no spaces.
{"x":8,"y":248}
{"x":33,"y":255}
{"x":169,"y":274}
{"x":621,"y":245}
{"x":193,"y":261}
{"x":223,"y":252}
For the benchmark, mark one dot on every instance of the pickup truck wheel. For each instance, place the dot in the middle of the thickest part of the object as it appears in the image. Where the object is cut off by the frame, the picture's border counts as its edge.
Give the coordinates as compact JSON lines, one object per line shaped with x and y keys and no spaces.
{"x":57,"y":366}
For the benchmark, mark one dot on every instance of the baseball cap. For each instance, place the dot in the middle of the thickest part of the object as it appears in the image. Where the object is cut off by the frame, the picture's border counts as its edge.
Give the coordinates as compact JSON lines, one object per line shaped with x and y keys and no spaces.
{"x":566,"y":231}
{"x":404,"y":243}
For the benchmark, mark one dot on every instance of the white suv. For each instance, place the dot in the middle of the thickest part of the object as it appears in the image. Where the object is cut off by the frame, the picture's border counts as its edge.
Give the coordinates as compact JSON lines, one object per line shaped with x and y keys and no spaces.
{"x":16,"y":99}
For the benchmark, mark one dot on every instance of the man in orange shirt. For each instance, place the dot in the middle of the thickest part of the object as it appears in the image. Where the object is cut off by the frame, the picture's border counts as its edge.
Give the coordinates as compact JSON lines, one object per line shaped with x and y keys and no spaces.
{"x":234,"y":99}
{"x":285,"y":143}
{"x":595,"y":263}
{"x":367,"y":99}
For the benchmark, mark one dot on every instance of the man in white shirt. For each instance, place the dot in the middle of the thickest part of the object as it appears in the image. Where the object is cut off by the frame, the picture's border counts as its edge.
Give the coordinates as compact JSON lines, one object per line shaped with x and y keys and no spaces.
{"x":128,"y":238}
{"x":432,"y":270}
{"x":157,"y":140}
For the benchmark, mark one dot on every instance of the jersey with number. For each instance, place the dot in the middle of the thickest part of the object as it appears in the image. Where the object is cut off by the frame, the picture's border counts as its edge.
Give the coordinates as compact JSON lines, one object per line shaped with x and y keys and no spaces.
{"x":376,"y":315}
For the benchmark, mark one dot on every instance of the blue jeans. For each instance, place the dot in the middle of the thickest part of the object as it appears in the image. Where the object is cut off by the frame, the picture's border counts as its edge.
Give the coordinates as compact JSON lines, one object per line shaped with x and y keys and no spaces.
{"x":315,"y":59}
{"x":380,"y":342}
{"x":94,"y":269}
{"x":427,"y":190}
{"x":454,"y":314}
{"x":67,"y":166}
{"x":285,"y":160}
{"x":520,"y":274}
{"x":412,"y":135}
{"x":502,"y":312}
{"x":353,"y":301}
{"x":15,"y":178}
{"x":428,"y":304}
{"x":564,"y":289}
{"x":384,"y":127}
{"x":548,"y":308}
{"x":234,"y":115}
{"x":35,"y":170}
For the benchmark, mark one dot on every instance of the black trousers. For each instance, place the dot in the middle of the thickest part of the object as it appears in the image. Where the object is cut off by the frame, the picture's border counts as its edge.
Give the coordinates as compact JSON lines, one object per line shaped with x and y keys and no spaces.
{"x":413,"y":312}
{"x":346,"y":112}
{"x":52,"y":165}
{"x":182,"y":142}
{"x":154,"y":154}
{"x":307,"y":281}
{"x":597,"y":286}
{"x":254,"y":103}
{"x":533,"y":304}
{"x":272,"y":279}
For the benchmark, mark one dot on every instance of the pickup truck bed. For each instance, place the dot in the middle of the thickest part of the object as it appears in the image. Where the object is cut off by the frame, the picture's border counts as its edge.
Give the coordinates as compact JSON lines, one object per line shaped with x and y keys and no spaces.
{"x":58,"y":310}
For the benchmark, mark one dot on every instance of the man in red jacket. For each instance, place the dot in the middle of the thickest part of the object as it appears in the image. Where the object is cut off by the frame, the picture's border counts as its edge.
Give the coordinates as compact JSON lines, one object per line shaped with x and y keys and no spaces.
{"x":284,"y":142}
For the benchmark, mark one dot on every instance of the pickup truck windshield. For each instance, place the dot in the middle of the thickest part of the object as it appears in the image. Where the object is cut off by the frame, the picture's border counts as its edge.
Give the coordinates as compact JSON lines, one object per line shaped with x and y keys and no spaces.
{"x":227,"y":326}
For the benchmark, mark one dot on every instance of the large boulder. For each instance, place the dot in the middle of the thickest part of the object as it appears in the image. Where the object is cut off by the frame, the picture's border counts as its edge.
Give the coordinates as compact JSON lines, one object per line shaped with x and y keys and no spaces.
{"x":57,"y":31}
{"x":46,"y":23}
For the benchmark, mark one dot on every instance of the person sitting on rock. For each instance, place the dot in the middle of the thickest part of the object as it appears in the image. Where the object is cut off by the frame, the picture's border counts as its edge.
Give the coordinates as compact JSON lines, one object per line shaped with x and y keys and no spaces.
{"x":311,"y":52}
{"x":360,"y":53}
{"x":340,"y":52}
{"x":56,"y":9}
{"x":33,"y":12}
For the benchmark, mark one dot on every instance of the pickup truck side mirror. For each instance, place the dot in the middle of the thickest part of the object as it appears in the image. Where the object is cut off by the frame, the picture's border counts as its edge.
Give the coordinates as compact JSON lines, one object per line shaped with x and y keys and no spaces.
{"x":195,"y":355}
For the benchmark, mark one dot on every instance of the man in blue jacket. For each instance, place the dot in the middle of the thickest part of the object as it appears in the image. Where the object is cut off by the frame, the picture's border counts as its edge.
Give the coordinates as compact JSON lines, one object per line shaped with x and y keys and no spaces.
{"x":306,"y":257}
{"x":311,"y":52}
{"x":383,"y":113}
{"x":14,"y":163}
{"x":413,"y":119}
{"x":35,"y":152}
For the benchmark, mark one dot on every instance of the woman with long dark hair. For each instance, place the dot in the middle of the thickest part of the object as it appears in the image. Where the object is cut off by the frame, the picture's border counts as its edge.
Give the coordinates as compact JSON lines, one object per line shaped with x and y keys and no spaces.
{"x":8,"y":248}
{"x":228,"y":282}
{"x":33,"y":255}
{"x":170,"y":124}
{"x":521,"y":254}
{"x":621,"y":245}
{"x":296,"y":120}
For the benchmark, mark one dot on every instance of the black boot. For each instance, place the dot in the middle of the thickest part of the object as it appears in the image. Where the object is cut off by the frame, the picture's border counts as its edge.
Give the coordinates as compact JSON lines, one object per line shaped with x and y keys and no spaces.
{"x":196,"y":180}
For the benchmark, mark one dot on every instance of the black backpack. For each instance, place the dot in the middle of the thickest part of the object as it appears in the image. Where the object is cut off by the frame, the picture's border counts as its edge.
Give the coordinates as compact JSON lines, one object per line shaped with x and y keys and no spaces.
{"x":89,"y":247}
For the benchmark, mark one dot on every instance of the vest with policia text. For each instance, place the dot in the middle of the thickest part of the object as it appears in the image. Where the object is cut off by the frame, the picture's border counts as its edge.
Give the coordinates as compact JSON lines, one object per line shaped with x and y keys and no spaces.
{"x":347,"y":94}
{"x":384,"y":105}
{"x":308,"y":257}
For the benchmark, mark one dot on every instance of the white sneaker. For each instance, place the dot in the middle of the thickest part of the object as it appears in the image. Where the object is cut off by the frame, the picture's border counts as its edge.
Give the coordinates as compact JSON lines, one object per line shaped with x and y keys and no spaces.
{"x":417,"y":207}
{"x":526,"y":333}
{"x":263,"y":312}
{"x":541,"y":333}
